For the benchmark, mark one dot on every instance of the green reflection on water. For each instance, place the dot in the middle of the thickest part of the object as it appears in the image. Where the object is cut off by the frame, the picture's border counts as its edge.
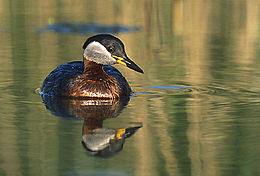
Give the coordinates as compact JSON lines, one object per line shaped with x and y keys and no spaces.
{"x":211,"y":128}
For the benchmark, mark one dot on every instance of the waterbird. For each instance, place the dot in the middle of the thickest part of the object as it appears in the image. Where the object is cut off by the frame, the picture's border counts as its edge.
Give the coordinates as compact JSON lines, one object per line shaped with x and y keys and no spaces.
{"x":94,"y":77}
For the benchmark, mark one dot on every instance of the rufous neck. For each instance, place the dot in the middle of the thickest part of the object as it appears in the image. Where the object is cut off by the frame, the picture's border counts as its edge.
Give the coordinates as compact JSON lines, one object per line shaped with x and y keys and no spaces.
{"x":92,"y":67}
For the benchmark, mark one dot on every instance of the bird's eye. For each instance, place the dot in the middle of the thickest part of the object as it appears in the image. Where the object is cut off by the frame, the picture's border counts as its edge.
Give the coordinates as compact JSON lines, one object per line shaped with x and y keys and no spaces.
{"x":111,"y":49}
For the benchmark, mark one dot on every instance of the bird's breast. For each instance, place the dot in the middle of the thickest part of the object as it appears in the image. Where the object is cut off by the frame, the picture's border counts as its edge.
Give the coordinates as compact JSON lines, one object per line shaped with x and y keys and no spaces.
{"x":93,"y":88}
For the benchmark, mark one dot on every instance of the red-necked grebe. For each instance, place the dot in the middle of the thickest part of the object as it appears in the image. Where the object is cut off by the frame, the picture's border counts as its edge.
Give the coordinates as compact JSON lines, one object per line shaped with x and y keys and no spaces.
{"x":94,"y":77}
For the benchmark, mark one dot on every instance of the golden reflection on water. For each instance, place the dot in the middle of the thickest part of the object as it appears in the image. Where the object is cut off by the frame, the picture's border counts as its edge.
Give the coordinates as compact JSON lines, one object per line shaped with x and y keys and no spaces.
{"x":195,"y":43}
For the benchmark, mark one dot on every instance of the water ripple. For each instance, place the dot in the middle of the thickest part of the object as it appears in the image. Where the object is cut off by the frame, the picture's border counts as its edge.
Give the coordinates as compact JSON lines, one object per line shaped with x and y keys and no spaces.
{"x":86,"y":28}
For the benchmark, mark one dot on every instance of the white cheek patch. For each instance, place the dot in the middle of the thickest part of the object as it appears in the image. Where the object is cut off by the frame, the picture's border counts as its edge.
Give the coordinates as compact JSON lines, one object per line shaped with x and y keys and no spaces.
{"x":96,"y":52}
{"x":97,"y":48}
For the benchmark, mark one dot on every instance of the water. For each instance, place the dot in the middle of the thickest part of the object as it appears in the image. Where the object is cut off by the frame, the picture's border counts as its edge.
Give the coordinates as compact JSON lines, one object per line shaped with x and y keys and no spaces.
{"x":197,"y":105}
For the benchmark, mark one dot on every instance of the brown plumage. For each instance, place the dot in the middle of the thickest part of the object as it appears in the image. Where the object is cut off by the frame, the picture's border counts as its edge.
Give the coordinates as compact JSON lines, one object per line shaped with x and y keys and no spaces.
{"x":94,"y":82}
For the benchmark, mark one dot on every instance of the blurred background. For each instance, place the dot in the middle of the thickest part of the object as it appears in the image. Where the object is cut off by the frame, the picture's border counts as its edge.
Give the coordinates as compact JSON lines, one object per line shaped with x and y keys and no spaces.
{"x":198,"y":100}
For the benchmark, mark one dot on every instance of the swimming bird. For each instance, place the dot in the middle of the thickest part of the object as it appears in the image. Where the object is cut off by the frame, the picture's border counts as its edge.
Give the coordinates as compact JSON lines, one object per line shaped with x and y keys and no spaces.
{"x":94,"y":77}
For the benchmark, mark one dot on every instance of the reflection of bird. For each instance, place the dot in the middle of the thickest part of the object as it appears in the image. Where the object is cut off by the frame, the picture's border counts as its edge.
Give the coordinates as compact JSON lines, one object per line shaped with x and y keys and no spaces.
{"x":104,"y":141}
{"x":99,"y":141}
{"x":93,"y":78}
{"x":84,"y":108}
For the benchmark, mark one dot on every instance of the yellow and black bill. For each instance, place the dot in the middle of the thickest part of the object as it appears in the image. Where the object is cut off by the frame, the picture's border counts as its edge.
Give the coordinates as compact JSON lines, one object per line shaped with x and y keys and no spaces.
{"x":126,"y":132}
{"x":128,"y":63}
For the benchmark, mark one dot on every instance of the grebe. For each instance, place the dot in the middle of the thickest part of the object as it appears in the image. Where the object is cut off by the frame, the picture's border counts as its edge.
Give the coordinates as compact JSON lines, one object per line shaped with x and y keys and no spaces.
{"x":94,"y":77}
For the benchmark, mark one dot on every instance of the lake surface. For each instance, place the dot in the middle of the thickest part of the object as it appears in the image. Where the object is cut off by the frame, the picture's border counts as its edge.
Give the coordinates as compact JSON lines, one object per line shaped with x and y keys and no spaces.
{"x":196,"y":110}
